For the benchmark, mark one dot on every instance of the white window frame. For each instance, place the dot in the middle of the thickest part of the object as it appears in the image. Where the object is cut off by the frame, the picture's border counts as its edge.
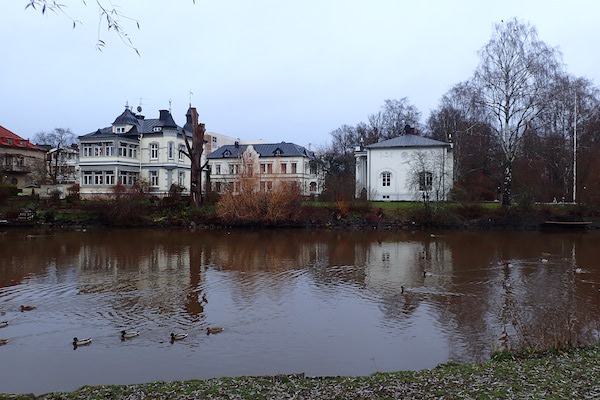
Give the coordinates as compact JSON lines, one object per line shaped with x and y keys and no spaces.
{"x":87,"y":177}
{"x":153,"y":178}
{"x":153,"y":151}
{"x":170,"y":150}
{"x":110,"y":178}
{"x":181,"y":178}
{"x":122,"y":149}
{"x":386,"y":179}
{"x":120,"y":129}
{"x":181,"y":152}
{"x":87,"y":150}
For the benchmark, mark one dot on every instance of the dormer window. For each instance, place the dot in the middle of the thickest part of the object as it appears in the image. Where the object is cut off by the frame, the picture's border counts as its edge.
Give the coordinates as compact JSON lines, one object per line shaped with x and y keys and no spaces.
{"x":157,"y":129}
{"x":226,"y":153}
{"x":120,"y":129}
{"x":278,"y":152}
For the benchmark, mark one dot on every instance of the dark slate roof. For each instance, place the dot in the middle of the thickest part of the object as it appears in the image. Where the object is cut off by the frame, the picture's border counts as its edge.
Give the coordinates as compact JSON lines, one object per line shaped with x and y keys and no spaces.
{"x":166,"y":120}
{"x":126,"y":118}
{"x":143,"y":126}
{"x":263,"y":149}
{"x":408,"y":141}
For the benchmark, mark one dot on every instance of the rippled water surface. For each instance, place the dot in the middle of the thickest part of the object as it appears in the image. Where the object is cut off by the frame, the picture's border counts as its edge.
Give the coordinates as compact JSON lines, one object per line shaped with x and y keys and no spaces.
{"x":323,"y":303}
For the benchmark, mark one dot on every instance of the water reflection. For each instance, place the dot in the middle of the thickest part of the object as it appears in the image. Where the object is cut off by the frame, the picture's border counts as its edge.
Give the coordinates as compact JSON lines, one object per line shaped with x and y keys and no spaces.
{"x":324,"y":303}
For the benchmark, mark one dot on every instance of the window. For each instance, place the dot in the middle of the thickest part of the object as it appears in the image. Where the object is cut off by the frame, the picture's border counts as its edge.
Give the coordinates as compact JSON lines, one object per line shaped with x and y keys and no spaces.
{"x":98,"y":178}
{"x":269,"y":168}
{"x":313,"y":169}
{"x":236,"y":187}
{"x":284,"y":168}
{"x":425,"y":180}
{"x":97,"y":151}
{"x":122,"y":149}
{"x":218,"y":169}
{"x":108,"y":149}
{"x":87,"y":178}
{"x":263,"y":186}
{"x":386,"y":178}
{"x":153,"y":178}
{"x":269,"y":185}
{"x":218,"y":187}
{"x":294,"y":168}
{"x":170,"y":150}
{"x":234,"y":168}
{"x":181,"y":152}
{"x":123,"y":177}
{"x":9,"y":140}
{"x":153,"y":151}
{"x":157,"y":129}
{"x":313,"y":186}
{"x":181,"y":178}
{"x":133,"y":151}
{"x":120,"y":129}
{"x":110,"y":178}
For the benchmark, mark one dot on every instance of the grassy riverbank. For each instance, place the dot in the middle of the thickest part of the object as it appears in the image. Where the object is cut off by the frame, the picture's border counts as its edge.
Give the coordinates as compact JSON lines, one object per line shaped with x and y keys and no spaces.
{"x":148,"y":211}
{"x":570,"y":374}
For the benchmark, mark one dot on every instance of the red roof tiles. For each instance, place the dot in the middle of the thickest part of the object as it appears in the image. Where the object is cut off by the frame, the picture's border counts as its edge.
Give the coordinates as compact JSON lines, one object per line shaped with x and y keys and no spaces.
{"x":9,"y":139}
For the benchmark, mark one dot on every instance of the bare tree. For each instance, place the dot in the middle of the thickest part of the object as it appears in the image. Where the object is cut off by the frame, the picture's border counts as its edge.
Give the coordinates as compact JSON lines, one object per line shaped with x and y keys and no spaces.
{"x":194,"y":153}
{"x":430,"y":176}
{"x":111,"y":16}
{"x":514,"y":81}
{"x":60,"y":140}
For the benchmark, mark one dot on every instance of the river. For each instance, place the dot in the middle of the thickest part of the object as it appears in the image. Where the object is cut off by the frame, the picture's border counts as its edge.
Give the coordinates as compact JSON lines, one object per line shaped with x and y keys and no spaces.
{"x":318,"y":302}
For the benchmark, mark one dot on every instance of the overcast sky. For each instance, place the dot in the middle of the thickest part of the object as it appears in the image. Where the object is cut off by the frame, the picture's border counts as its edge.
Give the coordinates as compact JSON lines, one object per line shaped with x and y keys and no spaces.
{"x":277,"y":70}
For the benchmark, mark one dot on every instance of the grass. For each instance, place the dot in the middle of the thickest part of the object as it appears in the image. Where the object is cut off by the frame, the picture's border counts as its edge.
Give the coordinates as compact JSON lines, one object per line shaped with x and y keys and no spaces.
{"x":568,"y":374}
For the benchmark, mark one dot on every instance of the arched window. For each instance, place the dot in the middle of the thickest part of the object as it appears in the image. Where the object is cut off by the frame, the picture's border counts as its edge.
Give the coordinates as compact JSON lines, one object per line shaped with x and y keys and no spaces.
{"x":386,"y":178}
{"x":425,"y":180}
{"x":313,"y":186}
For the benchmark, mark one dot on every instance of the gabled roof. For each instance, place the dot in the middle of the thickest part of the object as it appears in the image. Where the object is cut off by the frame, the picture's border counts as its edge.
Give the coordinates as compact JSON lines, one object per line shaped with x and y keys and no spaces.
{"x":10,"y":139}
{"x":264,"y":150}
{"x":408,"y":141}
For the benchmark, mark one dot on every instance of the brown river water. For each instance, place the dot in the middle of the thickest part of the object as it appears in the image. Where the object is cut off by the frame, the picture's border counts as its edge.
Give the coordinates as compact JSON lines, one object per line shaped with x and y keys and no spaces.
{"x":318,"y":302}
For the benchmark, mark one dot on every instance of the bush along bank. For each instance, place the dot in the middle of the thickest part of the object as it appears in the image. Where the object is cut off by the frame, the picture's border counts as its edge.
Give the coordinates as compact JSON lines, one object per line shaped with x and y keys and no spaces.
{"x":567,"y":374}
{"x":140,"y":211}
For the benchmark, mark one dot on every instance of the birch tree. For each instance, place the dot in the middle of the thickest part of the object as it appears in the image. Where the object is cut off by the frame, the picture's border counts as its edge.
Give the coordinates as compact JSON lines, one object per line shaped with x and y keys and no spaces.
{"x":514,"y":81}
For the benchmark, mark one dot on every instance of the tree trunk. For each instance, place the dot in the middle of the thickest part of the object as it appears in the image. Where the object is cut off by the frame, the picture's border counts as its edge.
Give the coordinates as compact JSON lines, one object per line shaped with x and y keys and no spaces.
{"x":198,"y":131}
{"x":507,"y":186}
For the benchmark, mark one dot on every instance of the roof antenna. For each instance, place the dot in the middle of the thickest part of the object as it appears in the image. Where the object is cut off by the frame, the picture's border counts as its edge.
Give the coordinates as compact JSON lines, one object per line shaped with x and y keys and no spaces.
{"x":127,"y":105}
{"x":191,"y":93}
{"x":169,"y":105}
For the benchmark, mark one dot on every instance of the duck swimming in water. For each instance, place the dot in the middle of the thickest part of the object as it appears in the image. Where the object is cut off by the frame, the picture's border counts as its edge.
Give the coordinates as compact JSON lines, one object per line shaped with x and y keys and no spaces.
{"x":27,"y":308}
{"x":213,"y":330}
{"x":178,"y":336}
{"x":81,"y":342}
{"x":128,"y":334}
{"x":3,"y":324}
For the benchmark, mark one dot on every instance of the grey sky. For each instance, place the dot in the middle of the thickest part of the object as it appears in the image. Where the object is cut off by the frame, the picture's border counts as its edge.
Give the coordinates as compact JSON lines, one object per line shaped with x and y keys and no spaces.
{"x":275,"y":70}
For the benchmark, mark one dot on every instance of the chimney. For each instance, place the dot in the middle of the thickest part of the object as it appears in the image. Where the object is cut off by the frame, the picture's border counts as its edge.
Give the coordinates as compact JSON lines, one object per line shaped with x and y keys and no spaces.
{"x":236,"y":144}
{"x":164,"y":115}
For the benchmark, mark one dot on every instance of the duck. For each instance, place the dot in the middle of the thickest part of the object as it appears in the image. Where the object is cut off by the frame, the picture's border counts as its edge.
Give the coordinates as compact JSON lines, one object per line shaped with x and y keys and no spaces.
{"x":178,"y":336}
{"x":3,"y":341}
{"x":81,"y":342}
{"x":213,"y":330}
{"x":27,"y":308}
{"x":129,"y":334}
{"x":204,"y":299}
{"x":427,"y":273}
{"x":543,"y":260}
{"x":3,"y":324}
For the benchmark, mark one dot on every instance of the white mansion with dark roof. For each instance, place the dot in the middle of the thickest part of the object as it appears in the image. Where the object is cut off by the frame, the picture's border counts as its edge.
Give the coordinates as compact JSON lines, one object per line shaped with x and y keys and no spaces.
{"x":135,"y":148}
{"x":269,"y":163}
{"x":406,"y":167}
